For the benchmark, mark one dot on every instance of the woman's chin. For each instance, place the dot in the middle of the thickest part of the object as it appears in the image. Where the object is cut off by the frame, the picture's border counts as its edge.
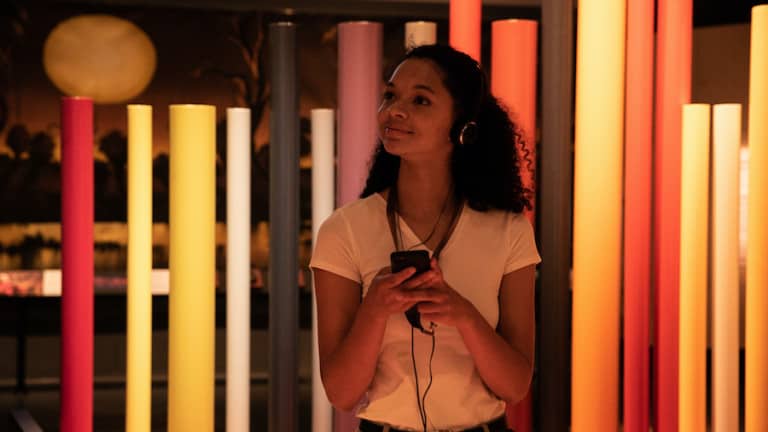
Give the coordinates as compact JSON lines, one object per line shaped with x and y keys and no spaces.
{"x":394,"y":147}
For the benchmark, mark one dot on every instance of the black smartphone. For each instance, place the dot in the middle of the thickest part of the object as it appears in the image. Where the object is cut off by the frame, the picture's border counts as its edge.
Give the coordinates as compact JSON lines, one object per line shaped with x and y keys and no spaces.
{"x":418,"y":259}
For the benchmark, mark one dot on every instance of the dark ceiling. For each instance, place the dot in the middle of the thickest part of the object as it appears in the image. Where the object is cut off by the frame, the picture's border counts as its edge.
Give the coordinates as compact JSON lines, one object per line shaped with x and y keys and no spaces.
{"x":705,"y":12}
{"x":716,"y":12}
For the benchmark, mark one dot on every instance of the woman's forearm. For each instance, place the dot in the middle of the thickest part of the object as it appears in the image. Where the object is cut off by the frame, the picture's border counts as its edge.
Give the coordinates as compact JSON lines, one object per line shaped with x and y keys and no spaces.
{"x":503,"y":368}
{"x":347,"y":372}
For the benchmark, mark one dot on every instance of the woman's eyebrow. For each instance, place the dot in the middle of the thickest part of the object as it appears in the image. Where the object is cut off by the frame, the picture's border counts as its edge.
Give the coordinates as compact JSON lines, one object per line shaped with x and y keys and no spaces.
{"x":424,"y":87}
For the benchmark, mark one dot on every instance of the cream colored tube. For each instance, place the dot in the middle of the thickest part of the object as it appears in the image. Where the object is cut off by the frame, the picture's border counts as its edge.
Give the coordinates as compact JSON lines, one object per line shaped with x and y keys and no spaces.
{"x":726,"y":146}
{"x":138,"y":386}
{"x":323,"y":197}
{"x":238,"y":269}
{"x":420,"y":33}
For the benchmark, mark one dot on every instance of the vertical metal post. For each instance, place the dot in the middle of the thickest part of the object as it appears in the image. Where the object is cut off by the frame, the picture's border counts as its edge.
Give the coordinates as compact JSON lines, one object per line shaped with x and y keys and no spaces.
{"x":284,"y":229}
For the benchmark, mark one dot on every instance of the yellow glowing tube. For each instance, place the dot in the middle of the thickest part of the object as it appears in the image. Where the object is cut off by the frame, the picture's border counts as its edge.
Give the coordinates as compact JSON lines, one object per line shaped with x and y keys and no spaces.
{"x":756,"y":373}
{"x":694,"y":224}
{"x":597,"y":214}
{"x":192,"y":266}
{"x":138,"y":391}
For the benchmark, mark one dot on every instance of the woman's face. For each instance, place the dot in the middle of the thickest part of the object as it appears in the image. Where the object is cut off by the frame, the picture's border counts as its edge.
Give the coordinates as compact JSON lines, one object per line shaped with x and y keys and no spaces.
{"x":416,"y":112}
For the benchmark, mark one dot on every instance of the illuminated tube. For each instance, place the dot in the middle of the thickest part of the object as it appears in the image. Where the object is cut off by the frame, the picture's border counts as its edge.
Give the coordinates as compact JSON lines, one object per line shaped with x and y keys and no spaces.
{"x":694,"y":225}
{"x":420,"y":33}
{"x":192,"y":268}
{"x":138,"y":390}
{"x":465,"y":19}
{"x":323,"y":183}
{"x":726,"y":157}
{"x":359,"y":86}
{"x":238,"y":269}
{"x":513,"y":81}
{"x":597,"y":214}
{"x":637,"y":214}
{"x":77,"y":264}
{"x":756,"y":374}
{"x":673,"y":89}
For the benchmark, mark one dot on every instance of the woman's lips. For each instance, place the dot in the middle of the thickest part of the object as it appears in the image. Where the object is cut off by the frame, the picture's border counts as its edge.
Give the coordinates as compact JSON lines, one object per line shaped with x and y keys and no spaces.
{"x":394,"y":133}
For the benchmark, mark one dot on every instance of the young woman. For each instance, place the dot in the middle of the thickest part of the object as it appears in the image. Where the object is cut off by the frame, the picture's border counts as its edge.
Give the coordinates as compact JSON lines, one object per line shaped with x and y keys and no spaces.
{"x":445,"y":178}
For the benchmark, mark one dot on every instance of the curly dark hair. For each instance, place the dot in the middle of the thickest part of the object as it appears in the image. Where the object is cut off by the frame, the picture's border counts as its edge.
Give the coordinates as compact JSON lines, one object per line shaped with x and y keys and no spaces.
{"x":486,"y":168}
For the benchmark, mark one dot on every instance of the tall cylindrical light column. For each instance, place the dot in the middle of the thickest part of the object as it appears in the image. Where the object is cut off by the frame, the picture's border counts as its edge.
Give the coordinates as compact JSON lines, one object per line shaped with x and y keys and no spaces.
{"x":77,"y":264}
{"x":673,"y":89}
{"x":694,"y":226}
{"x":513,"y":81}
{"x":323,"y":182}
{"x":138,"y":389}
{"x":726,"y":157}
{"x":238,"y":269}
{"x":756,"y":374}
{"x":637,"y":213}
{"x":420,"y":33}
{"x":283,"y":229}
{"x":597,"y":214}
{"x":359,"y":86}
{"x":192,"y":262}
{"x":465,"y":21}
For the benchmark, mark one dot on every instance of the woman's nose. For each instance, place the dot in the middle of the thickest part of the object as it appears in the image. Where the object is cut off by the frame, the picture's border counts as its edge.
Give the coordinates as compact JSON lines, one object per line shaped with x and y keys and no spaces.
{"x":395,"y":109}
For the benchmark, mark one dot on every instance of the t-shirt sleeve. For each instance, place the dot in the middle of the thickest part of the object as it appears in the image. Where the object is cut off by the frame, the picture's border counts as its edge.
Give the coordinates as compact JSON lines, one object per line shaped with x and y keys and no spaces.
{"x":335,"y":250}
{"x":522,"y":244}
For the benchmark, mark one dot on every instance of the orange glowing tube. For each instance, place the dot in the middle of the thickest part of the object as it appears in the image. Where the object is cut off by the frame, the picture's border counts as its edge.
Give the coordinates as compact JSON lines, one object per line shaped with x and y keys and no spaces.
{"x":513,"y":81}
{"x":673,"y":89}
{"x":756,"y":373}
{"x":637,"y":214}
{"x":465,"y":18}
{"x":597,"y":214}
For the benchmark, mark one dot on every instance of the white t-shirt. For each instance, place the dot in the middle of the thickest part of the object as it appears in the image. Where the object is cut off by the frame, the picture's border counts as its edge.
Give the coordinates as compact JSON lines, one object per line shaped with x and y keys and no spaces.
{"x":355,"y":242}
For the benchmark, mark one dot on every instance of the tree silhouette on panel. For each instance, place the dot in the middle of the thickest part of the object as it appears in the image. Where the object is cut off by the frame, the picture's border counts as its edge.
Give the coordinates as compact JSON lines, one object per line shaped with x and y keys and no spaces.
{"x":31,"y":182}
{"x":111,"y":178}
{"x":13,"y":19}
{"x":248,"y":33}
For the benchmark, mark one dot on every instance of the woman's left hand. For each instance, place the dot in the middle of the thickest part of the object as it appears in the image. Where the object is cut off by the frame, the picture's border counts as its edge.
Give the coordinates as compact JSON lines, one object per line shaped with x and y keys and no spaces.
{"x":438,"y":302}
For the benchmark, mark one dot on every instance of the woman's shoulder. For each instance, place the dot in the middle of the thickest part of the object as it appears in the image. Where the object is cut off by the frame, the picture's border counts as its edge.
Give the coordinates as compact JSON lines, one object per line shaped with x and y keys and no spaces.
{"x":358,"y":211}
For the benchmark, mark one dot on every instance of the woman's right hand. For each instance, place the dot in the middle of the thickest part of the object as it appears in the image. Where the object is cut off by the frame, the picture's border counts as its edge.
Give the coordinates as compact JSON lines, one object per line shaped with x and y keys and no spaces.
{"x":384,"y":295}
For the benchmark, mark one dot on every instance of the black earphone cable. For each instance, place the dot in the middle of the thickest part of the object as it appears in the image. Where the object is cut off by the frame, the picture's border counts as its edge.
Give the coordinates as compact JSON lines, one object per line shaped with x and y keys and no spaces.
{"x":421,"y":400}
{"x":422,"y":411}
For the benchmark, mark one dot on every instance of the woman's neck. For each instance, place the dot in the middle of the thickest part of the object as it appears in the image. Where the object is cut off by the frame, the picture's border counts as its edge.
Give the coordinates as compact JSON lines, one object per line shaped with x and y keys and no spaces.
{"x":423,"y":188}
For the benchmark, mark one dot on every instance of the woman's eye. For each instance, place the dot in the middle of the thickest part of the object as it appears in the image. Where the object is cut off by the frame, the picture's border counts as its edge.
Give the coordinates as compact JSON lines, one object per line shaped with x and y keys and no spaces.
{"x":388,"y":95}
{"x":421,"y":100}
